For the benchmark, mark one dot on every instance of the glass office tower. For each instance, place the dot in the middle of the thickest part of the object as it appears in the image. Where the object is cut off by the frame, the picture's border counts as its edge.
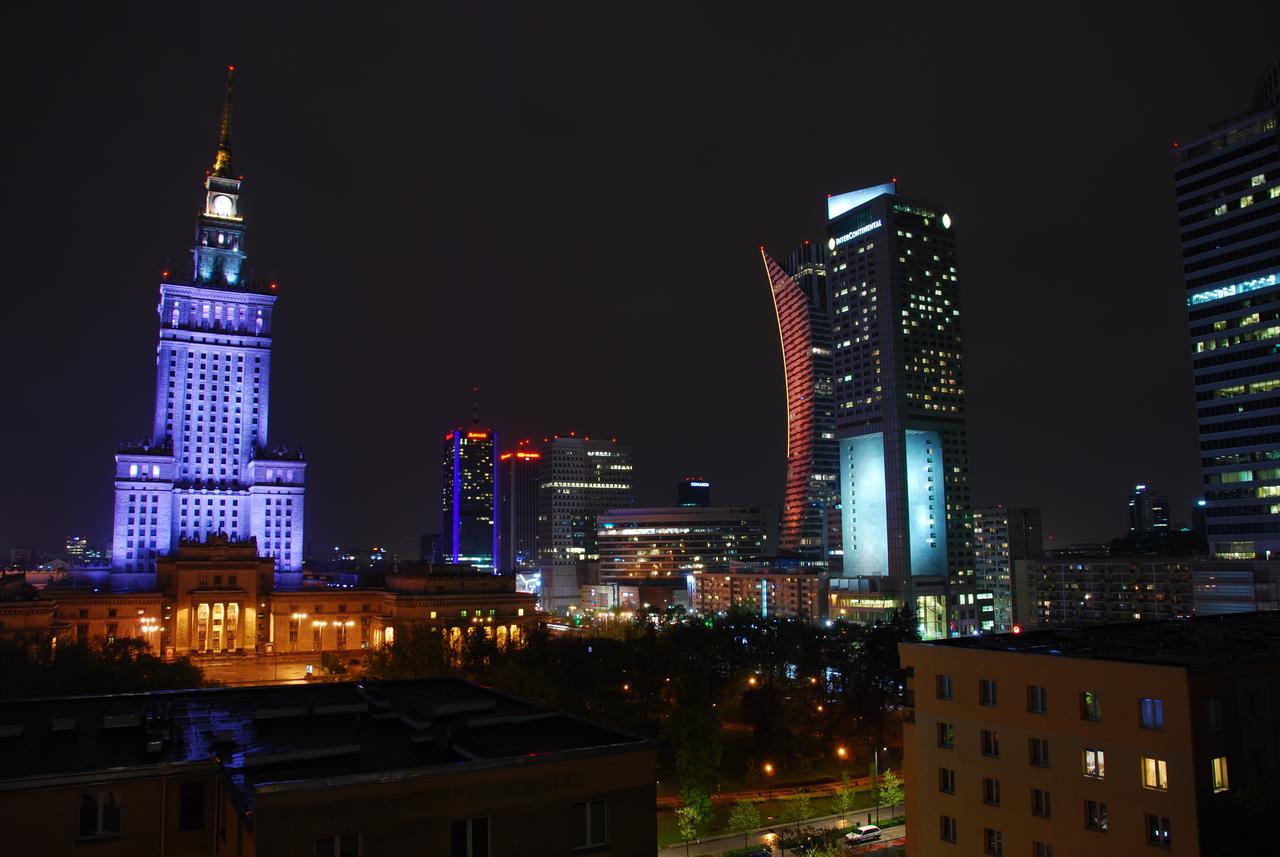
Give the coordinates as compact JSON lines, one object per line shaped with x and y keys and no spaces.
{"x":1228,"y":191}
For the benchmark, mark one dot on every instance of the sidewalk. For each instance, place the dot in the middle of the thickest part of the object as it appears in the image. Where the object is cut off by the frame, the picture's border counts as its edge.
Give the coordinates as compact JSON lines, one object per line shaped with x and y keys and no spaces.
{"x":716,"y":845}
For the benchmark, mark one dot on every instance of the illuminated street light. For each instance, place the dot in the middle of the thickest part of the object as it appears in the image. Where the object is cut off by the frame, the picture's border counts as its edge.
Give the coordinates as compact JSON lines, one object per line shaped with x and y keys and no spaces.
{"x":842,"y":753}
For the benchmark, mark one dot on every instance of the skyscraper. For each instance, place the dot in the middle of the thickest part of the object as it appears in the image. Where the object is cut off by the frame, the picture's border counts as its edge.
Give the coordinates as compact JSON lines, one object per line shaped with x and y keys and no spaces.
{"x":1228,"y":191}
{"x":1148,"y":511}
{"x":207,"y":466}
{"x":800,"y":301}
{"x":900,"y":408}
{"x":694,"y":491}
{"x":578,"y":479}
{"x":469,"y":492}
{"x":518,"y":507}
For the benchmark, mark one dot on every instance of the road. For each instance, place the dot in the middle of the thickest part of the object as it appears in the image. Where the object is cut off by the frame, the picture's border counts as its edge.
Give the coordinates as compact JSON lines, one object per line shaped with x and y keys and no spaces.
{"x":672,"y":801}
{"x":763,"y":836}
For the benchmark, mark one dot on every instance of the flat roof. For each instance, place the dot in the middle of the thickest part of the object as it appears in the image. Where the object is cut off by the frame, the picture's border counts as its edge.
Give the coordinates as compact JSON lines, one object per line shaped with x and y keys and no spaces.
{"x":1201,"y":640}
{"x":292,"y":736}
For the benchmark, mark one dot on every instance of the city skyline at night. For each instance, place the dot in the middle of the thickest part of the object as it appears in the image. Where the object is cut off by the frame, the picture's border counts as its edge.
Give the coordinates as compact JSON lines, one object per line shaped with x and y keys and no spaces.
{"x":377,"y":239}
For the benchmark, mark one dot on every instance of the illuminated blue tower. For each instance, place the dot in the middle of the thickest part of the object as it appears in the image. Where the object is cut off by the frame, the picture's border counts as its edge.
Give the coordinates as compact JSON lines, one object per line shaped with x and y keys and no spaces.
{"x":207,"y":467}
{"x":469,"y":497}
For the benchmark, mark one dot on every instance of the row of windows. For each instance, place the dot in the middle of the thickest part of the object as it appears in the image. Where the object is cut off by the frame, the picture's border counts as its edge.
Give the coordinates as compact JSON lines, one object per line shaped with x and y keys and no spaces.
{"x":1096,"y":818}
{"x":1150,"y":709}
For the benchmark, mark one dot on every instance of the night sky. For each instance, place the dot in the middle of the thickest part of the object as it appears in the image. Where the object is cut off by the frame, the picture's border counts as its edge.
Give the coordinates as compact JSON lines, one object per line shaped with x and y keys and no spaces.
{"x":564,"y":208}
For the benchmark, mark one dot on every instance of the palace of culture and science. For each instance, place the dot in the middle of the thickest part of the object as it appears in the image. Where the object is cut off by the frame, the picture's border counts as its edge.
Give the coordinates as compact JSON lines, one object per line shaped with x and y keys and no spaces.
{"x":208,"y":468}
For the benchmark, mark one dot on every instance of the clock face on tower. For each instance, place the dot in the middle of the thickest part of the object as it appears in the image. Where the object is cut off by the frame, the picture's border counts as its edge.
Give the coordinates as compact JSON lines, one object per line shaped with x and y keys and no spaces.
{"x":222,"y":205}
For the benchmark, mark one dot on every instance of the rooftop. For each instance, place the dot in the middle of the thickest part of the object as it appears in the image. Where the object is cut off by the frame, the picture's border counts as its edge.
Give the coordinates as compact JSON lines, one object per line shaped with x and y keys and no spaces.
{"x":1203,"y":640}
{"x":295,"y":736}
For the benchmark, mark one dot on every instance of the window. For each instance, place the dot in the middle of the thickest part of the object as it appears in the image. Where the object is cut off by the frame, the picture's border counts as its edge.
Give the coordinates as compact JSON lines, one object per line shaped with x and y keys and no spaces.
{"x":99,"y":814}
{"x":1090,"y":706}
{"x":944,"y":686}
{"x":987,"y":691}
{"x":469,"y":838}
{"x":990,"y":791}
{"x":1215,"y":714}
{"x":1040,"y":752}
{"x":947,"y":780}
{"x":1040,"y":803}
{"x":990,"y":743}
{"x":1037,"y":699}
{"x":1155,"y":774}
{"x":346,"y":845}
{"x":589,"y":824}
{"x":191,"y":806}
{"x":947,"y":828}
{"x":1220,"y":782}
{"x":1152,"y":713}
{"x":1158,"y":831}
{"x":946,"y":736}
{"x":1095,"y":764}
{"x":993,"y":842}
{"x":1095,"y":815}
{"x":1039,"y":849}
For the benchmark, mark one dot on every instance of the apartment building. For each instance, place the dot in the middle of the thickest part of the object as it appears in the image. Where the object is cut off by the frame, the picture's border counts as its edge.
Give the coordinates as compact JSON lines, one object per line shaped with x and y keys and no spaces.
{"x":1104,"y":740}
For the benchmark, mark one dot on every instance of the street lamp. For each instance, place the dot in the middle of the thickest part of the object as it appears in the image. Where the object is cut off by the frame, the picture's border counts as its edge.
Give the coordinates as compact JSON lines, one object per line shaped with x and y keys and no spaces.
{"x":768,"y":772}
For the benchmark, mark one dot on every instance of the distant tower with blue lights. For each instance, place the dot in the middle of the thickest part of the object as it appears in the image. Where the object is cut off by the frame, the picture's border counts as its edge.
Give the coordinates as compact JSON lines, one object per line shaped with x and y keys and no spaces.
{"x":207,"y":467}
{"x":468,"y":500}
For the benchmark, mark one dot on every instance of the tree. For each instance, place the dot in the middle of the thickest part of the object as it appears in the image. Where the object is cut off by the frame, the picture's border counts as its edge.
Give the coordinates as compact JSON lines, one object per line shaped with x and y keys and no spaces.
{"x":797,"y":809}
{"x":891,"y":791}
{"x":743,"y":818}
{"x":694,"y":734}
{"x":844,"y":798}
{"x":687,"y":822}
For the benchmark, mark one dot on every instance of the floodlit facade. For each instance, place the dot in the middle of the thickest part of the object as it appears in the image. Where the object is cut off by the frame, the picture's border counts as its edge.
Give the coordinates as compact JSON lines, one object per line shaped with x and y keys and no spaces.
{"x":469,"y":497}
{"x":900,"y":406}
{"x":800,"y":300}
{"x":207,"y":466}
{"x":1228,"y":207}
{"x":1100,"y":741}
{"x":219,"y":597}
{"x":679,"y":540}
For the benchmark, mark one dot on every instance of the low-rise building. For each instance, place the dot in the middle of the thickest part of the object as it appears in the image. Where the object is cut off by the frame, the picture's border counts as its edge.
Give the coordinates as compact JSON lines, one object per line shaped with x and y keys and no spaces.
{"x":337,"y":770}
{"x":679,"y":540}
{"x":767,"y":591}
{"x":1090,"y":741}
{"x":1100,"y":589}
{"x":219,"y":597}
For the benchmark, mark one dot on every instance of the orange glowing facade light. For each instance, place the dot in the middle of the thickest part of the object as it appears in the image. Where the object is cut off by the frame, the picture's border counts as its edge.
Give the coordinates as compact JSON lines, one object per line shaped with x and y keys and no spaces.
{"x":802,"y":325}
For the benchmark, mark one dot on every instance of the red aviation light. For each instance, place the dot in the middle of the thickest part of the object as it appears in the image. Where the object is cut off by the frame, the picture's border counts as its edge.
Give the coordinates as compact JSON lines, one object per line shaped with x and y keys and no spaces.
{"x":449,"y":436}
{"x":1017,"y":629}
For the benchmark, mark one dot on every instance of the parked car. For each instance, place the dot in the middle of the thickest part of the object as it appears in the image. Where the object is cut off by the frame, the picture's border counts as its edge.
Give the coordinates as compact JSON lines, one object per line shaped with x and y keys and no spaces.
{"x":865,"y":833}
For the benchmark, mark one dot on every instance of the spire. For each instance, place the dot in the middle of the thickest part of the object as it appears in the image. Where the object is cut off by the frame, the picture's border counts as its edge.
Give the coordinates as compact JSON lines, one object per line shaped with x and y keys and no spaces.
{"x":222,"y":163}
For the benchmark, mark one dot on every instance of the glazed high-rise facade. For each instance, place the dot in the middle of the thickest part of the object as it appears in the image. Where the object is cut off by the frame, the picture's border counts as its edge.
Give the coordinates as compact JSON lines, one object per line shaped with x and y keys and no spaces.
{"x":207,"y":466}
{"x":800,"y":300}
{"x":1228,"y":191}
{"x":468,"y":497}
{"x":899,"y":402}
{"x":518,"y":507}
